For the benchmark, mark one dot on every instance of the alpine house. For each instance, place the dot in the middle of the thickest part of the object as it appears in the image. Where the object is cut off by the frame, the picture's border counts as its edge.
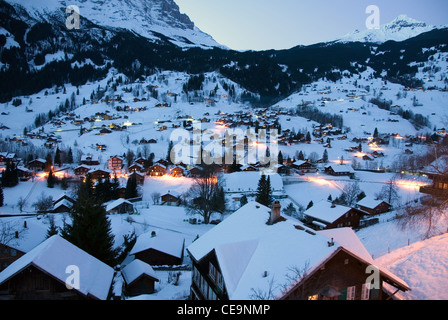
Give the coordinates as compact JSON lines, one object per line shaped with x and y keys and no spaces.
{"x":256,"y":254}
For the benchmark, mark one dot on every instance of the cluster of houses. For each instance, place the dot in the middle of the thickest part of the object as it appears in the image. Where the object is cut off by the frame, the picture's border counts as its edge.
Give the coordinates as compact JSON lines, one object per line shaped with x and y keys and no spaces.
{"x":29,"y":270}
{"x":222,"y":267}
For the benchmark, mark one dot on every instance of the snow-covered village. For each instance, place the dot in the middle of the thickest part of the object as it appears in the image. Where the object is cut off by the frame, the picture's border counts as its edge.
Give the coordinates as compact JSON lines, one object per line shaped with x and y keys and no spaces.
{"x":157,"y":181}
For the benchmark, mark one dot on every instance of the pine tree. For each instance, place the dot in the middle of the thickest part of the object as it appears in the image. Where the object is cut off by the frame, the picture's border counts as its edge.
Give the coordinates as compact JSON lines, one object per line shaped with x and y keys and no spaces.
{"x":57,"y":158}
{"x":70,"y":156}
{"x":91,"y":231}
{"x":51,"y":180}
{"x":52,"y":229}
{"x":264,"y":192}
{"x":325,"y":156}
{"x":131,"y":188}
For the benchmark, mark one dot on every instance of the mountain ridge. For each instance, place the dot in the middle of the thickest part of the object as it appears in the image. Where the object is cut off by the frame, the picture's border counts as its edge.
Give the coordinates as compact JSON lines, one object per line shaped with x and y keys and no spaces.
{"x":399,"y":29}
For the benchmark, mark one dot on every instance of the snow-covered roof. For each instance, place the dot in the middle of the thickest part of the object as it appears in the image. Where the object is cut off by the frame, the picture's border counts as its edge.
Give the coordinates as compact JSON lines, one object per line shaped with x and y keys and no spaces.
{"x":28,"y":237}
{"x":370,"y":202}
{"x":137,"y":268}
{"x":325,"y":211}
{"x":251,"y":253}
{"x":115,"y":203}
{"x":54,"y":255}
{"x":341,"y":168}
{"x":233,"y":181}
{"x":167,"y":242}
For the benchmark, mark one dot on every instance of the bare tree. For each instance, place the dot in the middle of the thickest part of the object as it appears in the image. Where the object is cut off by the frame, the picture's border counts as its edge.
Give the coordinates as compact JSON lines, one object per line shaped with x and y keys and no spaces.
{"x":389,"y":192}
{"x":155,"y":196}
{"x":206,"y":195}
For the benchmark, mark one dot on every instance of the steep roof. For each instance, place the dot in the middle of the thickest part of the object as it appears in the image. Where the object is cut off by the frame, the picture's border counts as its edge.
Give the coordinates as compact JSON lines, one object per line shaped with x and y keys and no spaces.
{"x":325,"y":211}
{"x":137,"y":268}
{"x":251,"y":253}
{"x":167,"y":242}
{"x":54,"y":255}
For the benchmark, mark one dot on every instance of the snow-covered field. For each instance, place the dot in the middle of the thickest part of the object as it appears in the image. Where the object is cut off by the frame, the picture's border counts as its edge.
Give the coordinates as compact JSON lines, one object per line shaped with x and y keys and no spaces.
{"x":360,"y":116}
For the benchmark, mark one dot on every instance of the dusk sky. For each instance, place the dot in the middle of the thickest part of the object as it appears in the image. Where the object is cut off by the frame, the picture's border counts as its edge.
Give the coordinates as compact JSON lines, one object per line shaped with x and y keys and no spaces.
{"x":265,"y":24}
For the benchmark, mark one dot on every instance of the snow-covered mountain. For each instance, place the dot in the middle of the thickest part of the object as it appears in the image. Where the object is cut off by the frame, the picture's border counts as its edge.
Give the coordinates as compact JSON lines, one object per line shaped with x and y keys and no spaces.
{"x":148,"y":18}
{"x":400,"y":29}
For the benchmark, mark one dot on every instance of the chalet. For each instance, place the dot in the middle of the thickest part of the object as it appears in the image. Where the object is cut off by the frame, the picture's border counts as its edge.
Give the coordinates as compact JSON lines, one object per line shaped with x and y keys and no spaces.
{"x":171,"y":198}
{"x":327,"y":215}
{"x":437,"y":172}
{"x":63,"y":204}
{"x":98,"y":174}
{"x":332,"y":263}
{"x":340,"y":170}
{"x":139,"y":177}
{"x":304,"y":166}
{"x":139,"y":278}
{"x":105,"y":131}
{"x":121,"y":206}
{"x":249,"y":167}
{"x":157,"y":170}
{"x":141,"y":161}
{"x":177,"y":171}
{"x":7,"y":156}
{"x":24,"y":174}
{"x":18,"y":239}
{"x":159,"y":248}
{"x":82,"y":170}
{"x":41,"y":274}
{"x":89,"y":160}
{"x":373,"y":206}
{"x":115,"y":163}
{"x":195,"y":172}
{"x":37,"y":164}
{"x":136,"y":167}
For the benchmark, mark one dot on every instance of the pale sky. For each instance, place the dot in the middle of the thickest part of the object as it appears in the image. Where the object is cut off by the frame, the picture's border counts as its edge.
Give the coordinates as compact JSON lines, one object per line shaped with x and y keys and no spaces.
{"x":282,"y":24}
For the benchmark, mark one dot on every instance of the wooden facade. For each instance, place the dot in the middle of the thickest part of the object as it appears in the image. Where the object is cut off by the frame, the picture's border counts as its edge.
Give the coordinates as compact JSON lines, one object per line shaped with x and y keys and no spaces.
{"x":157,"y":170}
{"x":382,"y":207}
{"x":341,"y":277}
{"x":33,"y":284}
{"x":438,"y":188}
{"x":8,"y":255}
{"x":155,"y":257}
{"x":351,"y":218}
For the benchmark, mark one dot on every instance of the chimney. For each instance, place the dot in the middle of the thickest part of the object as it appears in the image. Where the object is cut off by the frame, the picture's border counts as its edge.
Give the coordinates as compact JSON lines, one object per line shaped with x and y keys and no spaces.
{"x":275,"y":212}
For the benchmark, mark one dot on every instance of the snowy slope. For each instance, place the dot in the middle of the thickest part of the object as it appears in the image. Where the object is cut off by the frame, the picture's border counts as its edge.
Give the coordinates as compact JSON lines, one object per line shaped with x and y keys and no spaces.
{"x":423,"y":266}
{"x":400,"y":29}
{"x":146,"y":18}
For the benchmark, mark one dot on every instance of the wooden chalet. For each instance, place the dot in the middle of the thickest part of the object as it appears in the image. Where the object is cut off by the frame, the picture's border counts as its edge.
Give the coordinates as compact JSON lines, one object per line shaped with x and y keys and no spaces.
{"x":331,"y":264}
{"x":136,"y":167}
{"x":115,"y":163}
{"x":41,"y":274}
{"x":120,"y":206}
{"x":139,"y":278}
{"x":157,"y":170}
{"x":340,"y":170}
{"x":159,"y":248}
{"x":373,"y":206}
{"x":171,"y":198}
{"x":304,"y":166}
{"x":99,"y":174}
{"x":328,"y":215}
{"x":89,"y":160}
{"x":139,"y":177}
{"x":37,"y":164}
{"x":82,"y":170}
{"x":177,"y":171}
